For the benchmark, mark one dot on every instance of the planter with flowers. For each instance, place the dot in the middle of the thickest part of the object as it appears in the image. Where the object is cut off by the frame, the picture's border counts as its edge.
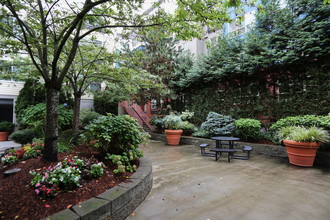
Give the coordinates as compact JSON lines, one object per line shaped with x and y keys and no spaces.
{"x":302,"y":143}
{"x":5,"y":129}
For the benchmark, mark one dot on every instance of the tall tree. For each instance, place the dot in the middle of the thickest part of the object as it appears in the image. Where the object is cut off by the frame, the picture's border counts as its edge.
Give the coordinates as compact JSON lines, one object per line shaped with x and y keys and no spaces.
{"x":47,"y":27}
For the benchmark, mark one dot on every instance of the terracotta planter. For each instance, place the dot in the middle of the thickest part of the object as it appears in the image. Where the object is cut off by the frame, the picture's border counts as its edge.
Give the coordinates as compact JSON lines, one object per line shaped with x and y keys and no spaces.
{"x":4,"y":136}
{"x":173,"y":137}
{"x":301,"y":153}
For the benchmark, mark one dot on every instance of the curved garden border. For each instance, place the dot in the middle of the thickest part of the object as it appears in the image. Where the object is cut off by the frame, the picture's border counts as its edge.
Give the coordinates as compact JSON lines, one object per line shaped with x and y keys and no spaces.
{"x":322,"y":158}
{"x":115,"y":203}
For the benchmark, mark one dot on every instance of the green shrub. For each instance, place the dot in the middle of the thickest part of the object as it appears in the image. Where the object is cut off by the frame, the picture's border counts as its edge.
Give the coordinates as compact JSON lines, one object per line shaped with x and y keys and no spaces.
{"x":24,"y":136}
{"x":6,"y":126}
{"x":188,"y":128}
{"x":305,"y":120}
{"x":34,"y":116}
{"x":187,"y":115}
{"x":217,"y":124}
{"x":247,"y":128}
{"x":114,"y":134}
{"x":202,"y":133}
{"x":87,"y":116}
{"x":32,"y":93}
{"x":125,"y":162}
{"x":104,"y":102}
{"x":271,"y":136}
{"x":158,"y":122}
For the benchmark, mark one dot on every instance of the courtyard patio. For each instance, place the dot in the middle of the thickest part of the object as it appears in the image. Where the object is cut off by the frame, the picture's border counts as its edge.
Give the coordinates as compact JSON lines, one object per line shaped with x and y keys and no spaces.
{"x":187,"y":185}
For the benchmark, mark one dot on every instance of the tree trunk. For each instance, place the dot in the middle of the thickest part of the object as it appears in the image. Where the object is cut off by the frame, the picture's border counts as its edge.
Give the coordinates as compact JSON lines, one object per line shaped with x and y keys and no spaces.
{"x":76,"y":116}
{"x":51,"y":125}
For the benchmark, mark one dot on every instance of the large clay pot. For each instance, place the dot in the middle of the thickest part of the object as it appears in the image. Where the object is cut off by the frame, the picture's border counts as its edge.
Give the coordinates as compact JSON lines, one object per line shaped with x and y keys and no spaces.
{"x":173,"y":137}
{"x":301,"y":153}
{"x":4,"y":136}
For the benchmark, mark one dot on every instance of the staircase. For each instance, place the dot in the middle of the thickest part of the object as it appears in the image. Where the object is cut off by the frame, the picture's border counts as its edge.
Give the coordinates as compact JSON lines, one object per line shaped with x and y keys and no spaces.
{"x":135,"y":111}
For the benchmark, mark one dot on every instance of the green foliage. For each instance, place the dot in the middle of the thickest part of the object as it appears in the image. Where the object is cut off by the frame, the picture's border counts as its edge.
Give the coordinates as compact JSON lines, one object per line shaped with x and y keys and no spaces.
{"x":187,"y":115}
{"x":279,"y":69}
{"x":125,"y":162}
{"x":114,"y":134}
{"x":105,"y":103}
{"x":302,"y":134}
{"x":247,"y":128}
{"x":202,"y":133}
{"x":188,"y":128}
{"x":31,"y":94}
{"x":87,"y":116}
{"x":305,"y":121}
{"x":65,"y":140}
{"x":217,"y":124}
{"x":34,"y":116}
{"x":158,"y":122}
{"x":172,"y":122}
{"x":24,"y":136}
{"x":6,"y":126}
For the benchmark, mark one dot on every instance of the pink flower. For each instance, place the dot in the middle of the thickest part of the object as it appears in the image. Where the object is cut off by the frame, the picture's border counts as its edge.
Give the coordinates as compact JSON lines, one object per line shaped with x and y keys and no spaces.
{"x":37,"y":191}
{"x":37,"y":185}
{"x":47,"y":206}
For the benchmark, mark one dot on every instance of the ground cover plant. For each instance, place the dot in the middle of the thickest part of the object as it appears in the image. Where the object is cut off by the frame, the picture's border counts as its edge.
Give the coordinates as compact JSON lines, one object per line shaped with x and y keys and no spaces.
{"x":19,"y":200}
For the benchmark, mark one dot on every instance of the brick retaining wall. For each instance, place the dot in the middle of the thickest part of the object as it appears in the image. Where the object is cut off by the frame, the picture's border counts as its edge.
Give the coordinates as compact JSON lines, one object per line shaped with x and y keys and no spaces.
{"x":115,"y":203}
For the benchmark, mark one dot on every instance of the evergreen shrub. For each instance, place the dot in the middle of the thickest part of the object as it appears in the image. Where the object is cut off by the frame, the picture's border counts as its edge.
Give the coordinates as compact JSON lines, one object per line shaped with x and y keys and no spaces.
{"x":87,"y":116}
{"x":24,"y":136}
{"x":247,"y":128}
{"x":217,"y":124}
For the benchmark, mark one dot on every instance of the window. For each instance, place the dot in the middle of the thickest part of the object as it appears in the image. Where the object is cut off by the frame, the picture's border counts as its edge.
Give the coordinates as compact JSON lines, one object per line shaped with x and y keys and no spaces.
{"x":154,"y":104}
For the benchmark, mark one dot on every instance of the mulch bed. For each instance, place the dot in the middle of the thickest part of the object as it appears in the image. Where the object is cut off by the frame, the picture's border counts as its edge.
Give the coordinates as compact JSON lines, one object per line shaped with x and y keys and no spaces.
{"x":19,"y":201}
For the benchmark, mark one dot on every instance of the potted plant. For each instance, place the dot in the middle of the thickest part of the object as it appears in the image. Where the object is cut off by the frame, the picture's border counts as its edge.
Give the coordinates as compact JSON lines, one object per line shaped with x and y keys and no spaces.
{"x":172,"y":125}
{"x":5,"y":129}
{"x":302,"y":143}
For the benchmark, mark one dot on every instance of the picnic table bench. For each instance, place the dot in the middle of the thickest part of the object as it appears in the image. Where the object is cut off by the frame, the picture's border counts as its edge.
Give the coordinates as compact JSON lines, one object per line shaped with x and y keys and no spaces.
{"x":217,"y":152}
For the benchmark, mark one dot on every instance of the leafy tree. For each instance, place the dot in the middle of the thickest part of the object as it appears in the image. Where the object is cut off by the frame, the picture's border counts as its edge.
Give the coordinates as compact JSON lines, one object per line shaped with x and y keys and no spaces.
{"x":48,"y":29}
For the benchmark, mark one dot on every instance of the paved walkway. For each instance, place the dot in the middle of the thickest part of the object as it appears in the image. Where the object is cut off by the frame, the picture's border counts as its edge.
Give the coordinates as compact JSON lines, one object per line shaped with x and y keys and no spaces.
{"x":188,"y":186}
{"x":8,"y":144}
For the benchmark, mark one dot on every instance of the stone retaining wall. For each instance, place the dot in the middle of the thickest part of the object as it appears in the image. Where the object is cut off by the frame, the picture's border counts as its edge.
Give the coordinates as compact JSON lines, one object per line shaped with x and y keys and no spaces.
{"x":115,"y":203}
{"x":322,"y":158}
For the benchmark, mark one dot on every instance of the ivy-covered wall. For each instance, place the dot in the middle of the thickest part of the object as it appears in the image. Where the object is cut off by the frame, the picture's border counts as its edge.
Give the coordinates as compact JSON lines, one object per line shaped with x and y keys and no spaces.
{"x":280,"y":68}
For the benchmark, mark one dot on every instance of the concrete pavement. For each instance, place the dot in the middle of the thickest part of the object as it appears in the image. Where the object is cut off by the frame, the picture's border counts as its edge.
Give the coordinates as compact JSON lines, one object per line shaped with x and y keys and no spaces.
{"x":8,"y":144}
{"x":189,"y":186}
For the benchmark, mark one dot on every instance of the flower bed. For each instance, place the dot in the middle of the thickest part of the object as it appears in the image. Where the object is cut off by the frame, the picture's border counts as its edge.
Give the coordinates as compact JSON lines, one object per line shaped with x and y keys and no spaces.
{"x":26,"y":152}
{"x":65,"y":175}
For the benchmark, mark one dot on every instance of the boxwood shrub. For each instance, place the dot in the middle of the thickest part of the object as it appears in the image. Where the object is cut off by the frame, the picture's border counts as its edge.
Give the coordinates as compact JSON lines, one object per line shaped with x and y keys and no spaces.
{"x":24,"y":136}
{"x":248,"y":128}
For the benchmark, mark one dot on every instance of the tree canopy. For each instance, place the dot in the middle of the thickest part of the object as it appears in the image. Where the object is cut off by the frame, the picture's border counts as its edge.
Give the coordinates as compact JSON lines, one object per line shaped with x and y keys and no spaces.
{"x":51,"y":30}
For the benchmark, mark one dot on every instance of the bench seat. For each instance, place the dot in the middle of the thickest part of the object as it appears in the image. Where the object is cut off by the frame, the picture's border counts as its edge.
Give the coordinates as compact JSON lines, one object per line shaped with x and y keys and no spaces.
{"x":219,"y":151}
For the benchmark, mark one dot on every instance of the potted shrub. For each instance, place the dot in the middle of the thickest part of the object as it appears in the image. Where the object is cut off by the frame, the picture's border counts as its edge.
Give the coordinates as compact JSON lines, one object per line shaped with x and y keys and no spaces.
{"x":5,"y":129}
{"x":172,"y":125}
{"x":302,"y":143}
